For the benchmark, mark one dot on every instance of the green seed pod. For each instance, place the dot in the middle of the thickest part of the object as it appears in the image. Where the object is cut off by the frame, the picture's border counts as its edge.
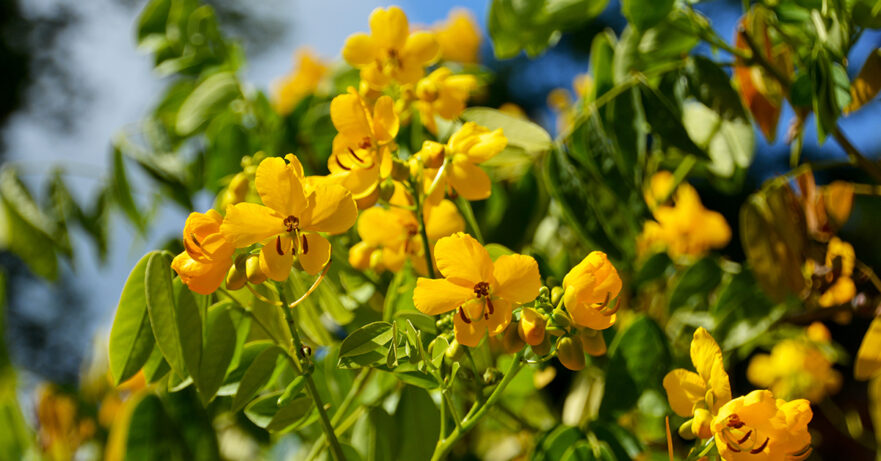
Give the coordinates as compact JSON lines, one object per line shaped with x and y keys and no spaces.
{"x":556,"y":294}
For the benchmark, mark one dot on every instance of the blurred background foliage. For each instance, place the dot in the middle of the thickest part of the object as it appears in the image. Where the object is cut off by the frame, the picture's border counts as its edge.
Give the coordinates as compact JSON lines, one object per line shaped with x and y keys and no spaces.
{"x":766,"y":118}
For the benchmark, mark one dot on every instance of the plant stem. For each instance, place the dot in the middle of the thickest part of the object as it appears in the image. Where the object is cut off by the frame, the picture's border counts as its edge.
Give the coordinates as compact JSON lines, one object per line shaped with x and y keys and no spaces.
{"x":297,"y":346}
{"x":357,"y":387}
{"x":468,"y":213}
{"x":477,"y":411}
{"x":420,"y":216}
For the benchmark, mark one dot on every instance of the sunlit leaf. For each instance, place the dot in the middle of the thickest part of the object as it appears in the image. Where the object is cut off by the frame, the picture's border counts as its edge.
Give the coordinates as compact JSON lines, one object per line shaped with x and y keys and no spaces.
{"x":131,"y":337}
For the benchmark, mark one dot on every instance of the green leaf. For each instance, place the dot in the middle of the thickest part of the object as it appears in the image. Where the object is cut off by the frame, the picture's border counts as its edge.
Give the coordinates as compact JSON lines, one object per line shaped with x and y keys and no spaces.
{"x":729,"y":143}
{"x":250,"y":352}
{"x":580,"y":451}
{"x":559,"y":441}
{"x":666,"y":123}
{"x":292,"y":390}
{"x":638,"y":359}
{"x":535,"y":25}
{"x":161,"y":309}
{"x":369,"y":338}
{"x":646,"y":13}
{"x":156,"y":367}
{"x":294,"y":414}
{"x":131,"y":338}
{"x":190,"y":320}
{"x":210,"y":97}
{"x":697,"y":281}
{"x":711,"y":85}
{"x":416,"y":405}
{"x":28,"y":231}
{"x":153,"y":18}
{"x":122,"y":193}
{"x":652,"y":268}
{"x":256,"y":376}
{"x":217,"y":351}
{"x":520,"y":133}
{"x":419,"y":320}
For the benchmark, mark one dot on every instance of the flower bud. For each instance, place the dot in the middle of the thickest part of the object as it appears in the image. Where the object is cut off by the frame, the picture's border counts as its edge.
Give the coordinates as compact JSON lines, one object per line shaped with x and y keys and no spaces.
{"x":543,"y":348}
{"x":556,"y":294}
{"x":589,"y":290}
{"x":593,"y":342}
{"x":561,"y":318}
{"x":531,"y":326}
{"x":386,"y":189}
{"x":570,"y":352}
{"x":544,"y":291}
{"x":239,"y":186}
{"x":359,"y":256}
{"x":400,"y":170}
{"x":700,"y":424}
{"x":252,"y":270}
{"x":454,"y":351}
{"x":511,"y":341}
{"x":491,"y":376}
{"x":236,"y":277}
{"x":685,"y":431}
{"x":376,"y":260}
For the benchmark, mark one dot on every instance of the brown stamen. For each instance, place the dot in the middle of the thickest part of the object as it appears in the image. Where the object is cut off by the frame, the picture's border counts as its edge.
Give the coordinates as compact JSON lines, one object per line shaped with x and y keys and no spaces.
{"x":462,"y":314}
{"x":291,"y":223}
{"x":481,"y":289}
{"x":745,"y":437}
{"x":732,"y":448}
{"x":489,"y":307}
{"x":278,"y":248}
{"x":735,"y":422}
{"x":305,"y":245}
{"x":762,"y":447}
{"x":341,"y":164}
{"x":352,"y":151}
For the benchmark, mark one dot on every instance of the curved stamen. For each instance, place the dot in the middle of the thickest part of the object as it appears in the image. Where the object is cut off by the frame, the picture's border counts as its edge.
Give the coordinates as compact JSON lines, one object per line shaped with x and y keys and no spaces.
{"x":462,"y":314}
{"x":278,"y":248}
{"x":761,"y":447}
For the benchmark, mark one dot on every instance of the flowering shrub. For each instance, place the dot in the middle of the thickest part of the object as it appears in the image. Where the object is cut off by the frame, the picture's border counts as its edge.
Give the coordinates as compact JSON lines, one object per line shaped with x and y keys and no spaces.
{"x":399,"y":265}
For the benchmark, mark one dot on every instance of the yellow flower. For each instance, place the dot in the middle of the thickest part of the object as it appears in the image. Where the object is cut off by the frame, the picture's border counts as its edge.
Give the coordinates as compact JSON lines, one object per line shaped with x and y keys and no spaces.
{"x":361,"y":153}
{"x":394,"y":232}
{"x":532,"y":326}
{"x":699,"y":394}
{"x":444,"y":94}
{"x":588,"y":289}
{"x":390,"y":52}
{"x":796,"y":368}
{"x":459,"y":37}
{"x":758,"y":427}
{"x":482,"y":291}
{"x":294,"y":210}
{"x":471,"y":145}
{"x":301,"y":82}
{"x":840,"y":287}
{"x":686,"y":227}
{"x":207,"y":255}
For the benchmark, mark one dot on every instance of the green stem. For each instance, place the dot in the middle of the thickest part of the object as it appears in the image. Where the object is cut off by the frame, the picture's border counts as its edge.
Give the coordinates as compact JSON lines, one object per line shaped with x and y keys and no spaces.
{"x":357,"y":387}
{"x":420,"y":215}
{"x":335,"y":449}
{"x":477,"y":411}
{"x":468,"y":213}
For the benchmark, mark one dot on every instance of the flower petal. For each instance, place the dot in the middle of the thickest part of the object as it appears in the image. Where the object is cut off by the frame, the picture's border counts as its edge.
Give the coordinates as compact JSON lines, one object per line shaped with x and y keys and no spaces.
{"x":277,"y":257}
{"x":471,"y":182}
{"x":331,"y":209}
{"x":385,"y":120}
{"x":359,"y":50}
{"x":380,"y":227}
{"x":422,"y":48}
{"x":442,"y":220}
{"x":436,"y":296}
{"x":517,"y":278}
{"x":314,"y":252}
{"x":349,"y":115}
{"x":463,"y":260}
{"x":200,"y":277}
{"x":500,"y":317}
{"x":389,"y":27}
{"x":248,"y":223}
{"x":279,"y":185}
{"x":469,"y":334}
{"x":707,"y":359}
{"x":684,"y":389}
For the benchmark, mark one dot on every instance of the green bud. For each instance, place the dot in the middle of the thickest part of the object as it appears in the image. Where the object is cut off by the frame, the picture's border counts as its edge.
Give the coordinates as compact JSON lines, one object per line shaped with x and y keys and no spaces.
{"x":236,"y":277}
{"x":544,"y":291}
{"x":454,"y":351}
{"x":543,"y":348}
{"x":556,"y":294}
{"x":570,"y":352}
{"x":386,"y":190}
{"x":252,"y":270}
{"x":685,"y":431}
{"x":561,"y":318}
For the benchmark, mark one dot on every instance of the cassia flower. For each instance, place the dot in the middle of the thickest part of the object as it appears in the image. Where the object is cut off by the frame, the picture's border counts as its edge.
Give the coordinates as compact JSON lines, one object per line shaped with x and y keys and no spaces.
{"x":459,"y":37}
{"x":481,"y":291}
{"x":361,"y":153}
{"x":589,"y":288}
{"x":759,"y":427}
{"x":796,"y":368}
{"x":301,"y":82}
{"x":700,"y":394}
{"x":686,"y":227}
{"x":532,"y":326}
{"x":207,"y":254}
{"x":390,"y":52}
{"x":294,"y":210}
{"x":470,"y":145}
{"x":444,"y":94}
{"x":394,"y":233}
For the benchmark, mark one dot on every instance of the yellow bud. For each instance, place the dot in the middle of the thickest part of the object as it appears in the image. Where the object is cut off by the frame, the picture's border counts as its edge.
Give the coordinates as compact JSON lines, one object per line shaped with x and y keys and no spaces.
{"x":359,"y":256}
{"x":700,"y":425}
{"x":685,"y":431}
{"x":593,"y":342}
{"x":252,"y":270}
{"x":386,"y":190}
{"x":236,"y":277}
{"x":239,"y":187}
{"x":556,"y":294}
{"x":415,"y":166}
{"x":531,"y":326}
{"x":376,"y":260}
{"x":511,"y":341}
{"x":543,"y":348}
{"x":570,"y":352}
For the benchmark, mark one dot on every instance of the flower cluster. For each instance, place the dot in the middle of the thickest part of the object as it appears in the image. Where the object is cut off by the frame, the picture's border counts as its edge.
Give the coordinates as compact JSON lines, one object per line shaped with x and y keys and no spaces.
{"x":756,"y":426}
{"x":685,"y":227}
